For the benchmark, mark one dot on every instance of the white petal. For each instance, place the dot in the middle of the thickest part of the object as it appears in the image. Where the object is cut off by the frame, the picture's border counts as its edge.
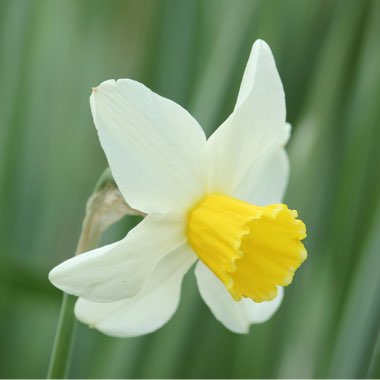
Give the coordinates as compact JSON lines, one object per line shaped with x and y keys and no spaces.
{"x":119,"y":270}
{"x":266,"y":180}
{"x":260,"y":63}
{"x":257,"y":123}
{"x":149,"y":309}
{"x":152,"y":144}
{"x":236,"y":316}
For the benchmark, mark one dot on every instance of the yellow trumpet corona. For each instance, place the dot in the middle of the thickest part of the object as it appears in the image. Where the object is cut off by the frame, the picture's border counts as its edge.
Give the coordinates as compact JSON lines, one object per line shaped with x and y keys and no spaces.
{"x":251,"y":249}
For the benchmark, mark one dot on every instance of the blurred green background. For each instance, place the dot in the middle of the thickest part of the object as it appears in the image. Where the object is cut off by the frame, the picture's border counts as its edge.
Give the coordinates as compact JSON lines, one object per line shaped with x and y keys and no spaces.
{"x":194,"y":52}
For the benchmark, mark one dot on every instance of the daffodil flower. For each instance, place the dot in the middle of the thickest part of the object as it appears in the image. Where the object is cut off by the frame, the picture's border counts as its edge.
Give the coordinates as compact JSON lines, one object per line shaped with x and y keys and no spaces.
{"x":215,"y":202}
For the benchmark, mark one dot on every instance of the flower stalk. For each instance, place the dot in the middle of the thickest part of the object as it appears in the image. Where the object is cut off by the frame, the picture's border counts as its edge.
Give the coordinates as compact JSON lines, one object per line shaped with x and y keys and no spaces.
{"x":105,"y":207}
{"x":60,"y":358}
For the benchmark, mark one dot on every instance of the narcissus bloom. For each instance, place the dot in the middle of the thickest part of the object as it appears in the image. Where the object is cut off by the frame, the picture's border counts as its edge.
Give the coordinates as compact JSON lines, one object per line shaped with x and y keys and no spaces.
{"x":215,"y":202}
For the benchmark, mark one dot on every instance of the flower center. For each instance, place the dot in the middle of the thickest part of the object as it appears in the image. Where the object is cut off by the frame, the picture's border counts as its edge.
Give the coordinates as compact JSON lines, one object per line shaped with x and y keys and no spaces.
{"x":251,"y":249}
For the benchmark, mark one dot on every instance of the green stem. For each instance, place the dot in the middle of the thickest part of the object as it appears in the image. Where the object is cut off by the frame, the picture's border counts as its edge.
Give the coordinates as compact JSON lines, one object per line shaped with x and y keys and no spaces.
{"x":64,"y":336}
{"x":104,"y":208}
{"x":60,"y":358}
